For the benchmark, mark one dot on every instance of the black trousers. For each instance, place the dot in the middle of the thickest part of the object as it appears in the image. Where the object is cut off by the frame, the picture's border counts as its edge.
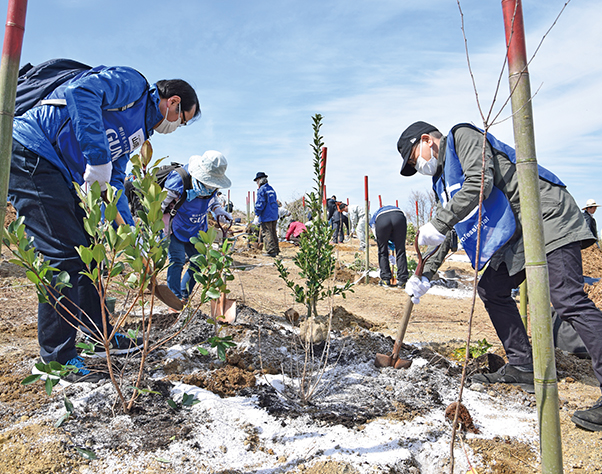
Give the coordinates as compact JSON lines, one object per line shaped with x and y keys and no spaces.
{"x":54,"y":219}
{"x":392,"y":226}
{"x":565,"y":273}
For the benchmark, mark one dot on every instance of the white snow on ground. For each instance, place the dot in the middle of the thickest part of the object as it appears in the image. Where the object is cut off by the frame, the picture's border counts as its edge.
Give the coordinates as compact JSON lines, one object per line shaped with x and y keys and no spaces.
{"x":235,"y":435}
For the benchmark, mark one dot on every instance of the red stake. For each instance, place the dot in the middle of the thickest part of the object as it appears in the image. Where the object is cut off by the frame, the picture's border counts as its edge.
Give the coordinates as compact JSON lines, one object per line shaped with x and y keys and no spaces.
{"x":396,"y":203}
{"x":380,"y":201}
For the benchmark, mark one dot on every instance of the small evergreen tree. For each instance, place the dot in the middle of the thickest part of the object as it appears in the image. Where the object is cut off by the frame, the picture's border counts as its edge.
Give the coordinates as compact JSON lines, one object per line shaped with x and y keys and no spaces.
{"x":315,"y":257}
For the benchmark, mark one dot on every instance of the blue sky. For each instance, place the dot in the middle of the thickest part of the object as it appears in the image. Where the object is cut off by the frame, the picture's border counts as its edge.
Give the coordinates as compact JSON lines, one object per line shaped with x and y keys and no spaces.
{"x":263,"y":68}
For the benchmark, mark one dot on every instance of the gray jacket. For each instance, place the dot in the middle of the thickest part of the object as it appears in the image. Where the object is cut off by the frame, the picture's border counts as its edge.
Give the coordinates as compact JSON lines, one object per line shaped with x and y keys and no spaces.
{"x":563,"y":222}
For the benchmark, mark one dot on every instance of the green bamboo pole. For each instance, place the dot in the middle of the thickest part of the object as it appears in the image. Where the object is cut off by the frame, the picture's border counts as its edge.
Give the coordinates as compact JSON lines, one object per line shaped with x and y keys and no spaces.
{"x":367,"y":231}
{"x":523,"y":303}
{"x":9,"y":71}
{"x":546,"y":387}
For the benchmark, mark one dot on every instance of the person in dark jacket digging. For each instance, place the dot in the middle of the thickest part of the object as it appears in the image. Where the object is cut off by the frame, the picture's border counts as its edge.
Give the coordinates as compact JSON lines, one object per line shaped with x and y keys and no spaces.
{"x":455,"y":163}
{"x":339,"y":222}
{"x":266,"y":211}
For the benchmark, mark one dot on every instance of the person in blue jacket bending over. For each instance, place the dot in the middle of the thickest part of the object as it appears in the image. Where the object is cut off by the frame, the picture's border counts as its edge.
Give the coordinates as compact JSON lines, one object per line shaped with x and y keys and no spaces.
{"x":108,"y":112}
{"x":208,"y":174}
{"x":266,"y":214}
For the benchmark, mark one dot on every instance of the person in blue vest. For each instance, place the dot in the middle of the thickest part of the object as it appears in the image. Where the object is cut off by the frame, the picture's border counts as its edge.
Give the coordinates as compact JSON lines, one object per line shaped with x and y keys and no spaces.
{"x":266,"y":213}
{"x":389,"y":224}
{"x":455,"y":163}
{"x":108,"y":112}
{"x":208,"y":174}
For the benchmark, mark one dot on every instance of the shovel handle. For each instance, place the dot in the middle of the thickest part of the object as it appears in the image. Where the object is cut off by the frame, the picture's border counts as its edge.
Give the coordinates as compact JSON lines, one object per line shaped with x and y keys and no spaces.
{"x":408,"y":306}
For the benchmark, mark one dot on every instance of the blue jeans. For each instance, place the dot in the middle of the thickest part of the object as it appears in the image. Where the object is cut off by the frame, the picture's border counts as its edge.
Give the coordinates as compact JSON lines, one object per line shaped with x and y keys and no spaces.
{"x":53,"y":217}
{"x":177,"y":253}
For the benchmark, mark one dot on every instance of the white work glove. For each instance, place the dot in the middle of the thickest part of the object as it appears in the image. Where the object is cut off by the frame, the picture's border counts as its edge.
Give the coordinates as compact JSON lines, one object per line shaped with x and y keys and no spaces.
{"x":100,"y":173}
{"x":416,"y":287}
{"x":219,"y":211}
{"x":256,"y":221}
{"x":429,"y":235}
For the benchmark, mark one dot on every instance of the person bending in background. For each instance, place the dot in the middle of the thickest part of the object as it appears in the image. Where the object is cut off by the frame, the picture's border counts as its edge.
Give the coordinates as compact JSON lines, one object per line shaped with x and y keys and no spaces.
{"x":389,"y":224}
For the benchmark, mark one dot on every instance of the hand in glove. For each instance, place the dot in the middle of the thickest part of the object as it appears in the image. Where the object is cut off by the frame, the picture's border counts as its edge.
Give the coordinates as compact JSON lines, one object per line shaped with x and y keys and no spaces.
{"x":256,"y":221}
{"x":100,"y":173}
{"x":429,"y":235}
{"x":416,"y":287}
{"x":219,"y":211}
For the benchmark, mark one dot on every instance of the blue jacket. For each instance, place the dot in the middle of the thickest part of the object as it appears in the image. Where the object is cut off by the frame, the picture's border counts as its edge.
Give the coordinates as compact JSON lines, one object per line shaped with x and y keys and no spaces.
{"x":191,"y":217}
{"x":89,"y":128}
{"x":266,"y":205}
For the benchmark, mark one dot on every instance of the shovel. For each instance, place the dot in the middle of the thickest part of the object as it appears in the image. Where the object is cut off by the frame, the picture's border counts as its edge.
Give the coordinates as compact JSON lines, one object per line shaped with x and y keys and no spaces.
{"x":223,"y":308}
{"x":162,"y":292}
{"x":393,"y":360}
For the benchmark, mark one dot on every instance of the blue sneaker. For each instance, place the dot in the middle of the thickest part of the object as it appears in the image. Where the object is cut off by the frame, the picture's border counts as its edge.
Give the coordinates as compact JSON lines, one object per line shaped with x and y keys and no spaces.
{"x":119,"y":345}
{"x":80,"y":372}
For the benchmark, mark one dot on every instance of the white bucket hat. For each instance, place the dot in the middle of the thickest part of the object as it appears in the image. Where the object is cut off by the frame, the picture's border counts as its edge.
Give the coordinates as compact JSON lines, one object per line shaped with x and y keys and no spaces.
{"x":590,"y":203}
{"x":210,"y":169}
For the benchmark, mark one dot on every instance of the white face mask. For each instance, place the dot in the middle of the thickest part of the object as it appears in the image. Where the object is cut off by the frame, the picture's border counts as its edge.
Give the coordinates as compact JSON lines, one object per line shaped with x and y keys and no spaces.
{"x":427,"y":168}
{"x":168,"y":127}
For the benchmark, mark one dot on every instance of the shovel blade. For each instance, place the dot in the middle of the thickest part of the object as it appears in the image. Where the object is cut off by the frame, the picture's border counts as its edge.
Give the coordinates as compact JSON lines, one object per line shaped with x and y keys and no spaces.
{"x":224,"y":309}
{"x":402,"y":364}
{"x":383,"y":360}
{"x":167,"y":296}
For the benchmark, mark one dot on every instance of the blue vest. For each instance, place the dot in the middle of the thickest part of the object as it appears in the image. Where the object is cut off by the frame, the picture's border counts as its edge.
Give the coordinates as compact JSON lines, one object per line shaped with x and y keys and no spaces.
{"x":192,"y":215}
{"x":125,"y":131}
{"x":497,"y":219}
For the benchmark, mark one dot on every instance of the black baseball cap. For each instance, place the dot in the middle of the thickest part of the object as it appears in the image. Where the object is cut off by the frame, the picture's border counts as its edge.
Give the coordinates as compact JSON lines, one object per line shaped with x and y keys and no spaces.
{"x":406,"y":142}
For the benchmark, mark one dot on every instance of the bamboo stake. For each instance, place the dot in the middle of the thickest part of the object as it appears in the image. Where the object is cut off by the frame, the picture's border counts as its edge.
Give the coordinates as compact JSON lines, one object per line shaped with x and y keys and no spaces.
{"x":546,"y":387}
{"x":9,"y":72}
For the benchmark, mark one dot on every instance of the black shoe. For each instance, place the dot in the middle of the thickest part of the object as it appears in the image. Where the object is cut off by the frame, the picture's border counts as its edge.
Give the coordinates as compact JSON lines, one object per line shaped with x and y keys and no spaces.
{"x":510,"y":375}
{"x":119,"y":345}
{"x":590,"y":419}
{"x":79,"y":372}
{"x":401,"y":284}
{"x":384,"y":282}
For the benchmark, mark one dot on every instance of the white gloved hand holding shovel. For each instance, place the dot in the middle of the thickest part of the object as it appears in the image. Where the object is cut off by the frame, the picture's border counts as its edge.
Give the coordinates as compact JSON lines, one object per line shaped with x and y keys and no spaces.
{"x":416,"y":287}
{"x":428,"y":235}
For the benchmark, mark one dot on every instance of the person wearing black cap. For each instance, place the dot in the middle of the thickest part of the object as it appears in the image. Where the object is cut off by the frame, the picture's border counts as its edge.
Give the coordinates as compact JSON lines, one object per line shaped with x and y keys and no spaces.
{"x":266,"y":211}
{"x":455,"y":163}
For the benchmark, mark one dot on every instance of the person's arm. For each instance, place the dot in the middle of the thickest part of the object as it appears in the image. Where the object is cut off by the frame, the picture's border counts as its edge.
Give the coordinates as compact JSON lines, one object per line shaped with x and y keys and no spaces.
{"x":261,"y":201}
{"x":469,"y":147}
{"x":117,"y":181}
{"x":87,"y":97}
{"x":289,"y":232}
